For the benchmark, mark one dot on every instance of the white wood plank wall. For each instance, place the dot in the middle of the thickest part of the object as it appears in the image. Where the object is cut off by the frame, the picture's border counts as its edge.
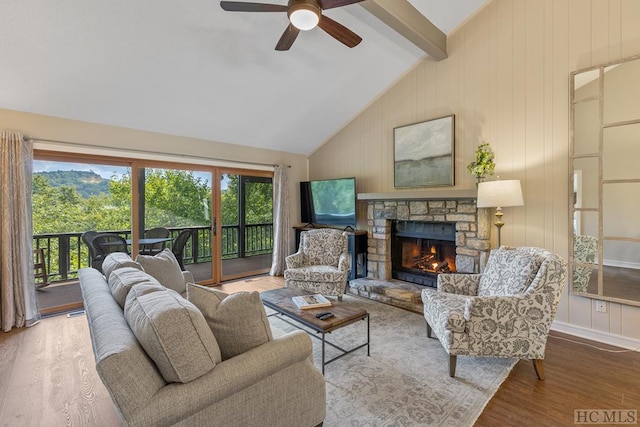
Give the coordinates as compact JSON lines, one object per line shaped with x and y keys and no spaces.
{"x":507,"y":81}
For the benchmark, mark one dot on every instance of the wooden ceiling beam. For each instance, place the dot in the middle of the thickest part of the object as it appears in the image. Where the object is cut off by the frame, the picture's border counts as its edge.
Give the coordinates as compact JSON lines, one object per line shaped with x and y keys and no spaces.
{"x":410,"y":23}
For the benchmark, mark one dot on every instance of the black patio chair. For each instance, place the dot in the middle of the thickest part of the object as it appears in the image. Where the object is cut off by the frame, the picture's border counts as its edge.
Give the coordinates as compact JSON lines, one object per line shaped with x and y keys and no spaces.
{"x":108,"y":243}
{"x":94,"y":255}
{"x":158,"y":232}
{"x":178,"y":246}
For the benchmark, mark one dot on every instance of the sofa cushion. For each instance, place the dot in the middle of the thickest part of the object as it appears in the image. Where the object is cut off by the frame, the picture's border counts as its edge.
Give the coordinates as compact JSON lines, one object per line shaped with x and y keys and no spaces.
{"x":238,"y":321}
{"x":508,"y":272}
{"x":165,"y":268}
{"x":123,"y":279}
{"x":118,"y":260}
{"x":172,"y":331}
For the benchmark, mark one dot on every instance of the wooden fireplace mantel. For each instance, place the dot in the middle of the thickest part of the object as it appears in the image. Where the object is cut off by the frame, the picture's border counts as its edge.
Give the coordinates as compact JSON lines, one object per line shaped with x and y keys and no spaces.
{"x":438,"y":194}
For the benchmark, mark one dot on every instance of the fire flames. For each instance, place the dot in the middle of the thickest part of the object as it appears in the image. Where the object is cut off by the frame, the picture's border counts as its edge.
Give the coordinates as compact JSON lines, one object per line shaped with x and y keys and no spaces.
{"x":429,"y":263}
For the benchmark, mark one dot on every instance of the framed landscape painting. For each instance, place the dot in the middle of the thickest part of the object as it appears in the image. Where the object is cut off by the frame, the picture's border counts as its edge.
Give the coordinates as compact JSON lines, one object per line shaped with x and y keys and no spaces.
{"x":424,"y":154}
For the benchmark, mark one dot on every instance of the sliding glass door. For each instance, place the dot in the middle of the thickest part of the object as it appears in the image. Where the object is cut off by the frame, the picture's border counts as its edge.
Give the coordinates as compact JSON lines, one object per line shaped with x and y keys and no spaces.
{"x":246,"y":214}
{"x":229,"y":217}
{"x":175,"y":212}
{"x":217,"y":221}
{"x":72,"y":197}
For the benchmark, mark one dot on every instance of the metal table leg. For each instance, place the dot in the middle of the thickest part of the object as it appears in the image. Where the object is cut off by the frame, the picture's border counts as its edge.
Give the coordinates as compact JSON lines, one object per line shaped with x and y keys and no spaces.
{"x":368,"y":333}
{"x":323,"y":341}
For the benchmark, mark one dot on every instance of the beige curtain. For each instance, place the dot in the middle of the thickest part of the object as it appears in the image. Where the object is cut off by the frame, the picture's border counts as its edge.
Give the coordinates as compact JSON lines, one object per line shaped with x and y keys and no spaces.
{"x":281,"y":228}
{"x":17,"y":288}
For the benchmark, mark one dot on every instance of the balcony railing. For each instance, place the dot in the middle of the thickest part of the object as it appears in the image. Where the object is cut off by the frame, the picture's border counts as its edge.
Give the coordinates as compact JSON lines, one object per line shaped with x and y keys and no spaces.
{"x":65,"y":253}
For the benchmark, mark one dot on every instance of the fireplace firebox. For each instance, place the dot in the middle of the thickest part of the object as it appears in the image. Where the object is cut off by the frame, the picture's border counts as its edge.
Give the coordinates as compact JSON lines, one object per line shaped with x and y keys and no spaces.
{"x":421,"y":250}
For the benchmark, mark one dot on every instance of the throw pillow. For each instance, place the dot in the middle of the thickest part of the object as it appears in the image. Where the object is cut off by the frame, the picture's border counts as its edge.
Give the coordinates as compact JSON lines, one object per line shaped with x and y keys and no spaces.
{"x":238,"y":321}
{"x":165,"y":268}
{"x":508,"y":272}
{"x":123,"y":279}
{"x":172,"y":331}
{"x":117,"y":260}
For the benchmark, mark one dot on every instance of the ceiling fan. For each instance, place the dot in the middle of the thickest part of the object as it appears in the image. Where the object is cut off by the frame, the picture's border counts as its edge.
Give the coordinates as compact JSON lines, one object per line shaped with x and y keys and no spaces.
{"x":303,"y":15}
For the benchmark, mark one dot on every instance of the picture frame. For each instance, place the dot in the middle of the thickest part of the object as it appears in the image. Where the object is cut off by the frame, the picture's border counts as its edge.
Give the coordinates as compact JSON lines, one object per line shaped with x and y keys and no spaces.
{"x":424,"y":153}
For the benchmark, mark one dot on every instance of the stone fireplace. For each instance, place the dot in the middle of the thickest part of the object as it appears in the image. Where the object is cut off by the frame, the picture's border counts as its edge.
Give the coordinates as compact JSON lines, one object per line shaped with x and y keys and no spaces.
{"x":455,"y":228}
{"x":472,"y":231}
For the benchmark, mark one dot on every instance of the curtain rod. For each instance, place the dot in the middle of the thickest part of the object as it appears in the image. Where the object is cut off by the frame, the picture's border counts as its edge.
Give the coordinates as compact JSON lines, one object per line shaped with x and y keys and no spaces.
{"x":133,"y":150}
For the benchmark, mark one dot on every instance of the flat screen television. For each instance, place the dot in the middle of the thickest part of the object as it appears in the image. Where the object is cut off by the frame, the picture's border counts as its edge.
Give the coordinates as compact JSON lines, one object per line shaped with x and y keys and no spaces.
{"x":330,"y":202}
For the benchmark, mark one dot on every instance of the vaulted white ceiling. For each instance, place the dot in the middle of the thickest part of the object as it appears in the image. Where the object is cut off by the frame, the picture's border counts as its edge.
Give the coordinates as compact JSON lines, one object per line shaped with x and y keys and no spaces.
{"x":189,"y":68}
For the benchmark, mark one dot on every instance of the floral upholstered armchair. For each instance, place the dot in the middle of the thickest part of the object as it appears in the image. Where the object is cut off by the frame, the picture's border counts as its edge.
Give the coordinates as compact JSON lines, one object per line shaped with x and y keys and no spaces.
{"x":505,"y":312}
{"x":321,"y":264}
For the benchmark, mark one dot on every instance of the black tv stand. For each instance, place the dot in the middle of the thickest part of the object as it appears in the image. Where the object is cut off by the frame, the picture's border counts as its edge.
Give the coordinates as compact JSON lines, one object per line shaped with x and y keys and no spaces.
{"x":357,"y":245}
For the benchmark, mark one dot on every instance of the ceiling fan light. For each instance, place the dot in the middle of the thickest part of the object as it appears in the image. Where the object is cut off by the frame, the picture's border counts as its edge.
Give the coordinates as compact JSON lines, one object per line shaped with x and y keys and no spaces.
{"x":304,"y":17}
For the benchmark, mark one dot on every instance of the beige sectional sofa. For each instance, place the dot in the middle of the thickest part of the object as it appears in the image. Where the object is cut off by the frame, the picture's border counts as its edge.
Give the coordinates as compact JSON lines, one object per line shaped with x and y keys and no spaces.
{"x":272,"y":384}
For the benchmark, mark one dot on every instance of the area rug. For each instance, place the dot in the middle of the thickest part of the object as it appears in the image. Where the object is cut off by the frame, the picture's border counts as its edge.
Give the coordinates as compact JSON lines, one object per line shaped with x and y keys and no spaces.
{"x":405,"y":381}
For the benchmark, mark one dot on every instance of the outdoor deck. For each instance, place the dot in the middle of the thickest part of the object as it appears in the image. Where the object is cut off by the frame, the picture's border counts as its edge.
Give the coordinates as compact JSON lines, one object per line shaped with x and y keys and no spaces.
{"x":66,"y":296}
{"x":230,"y":267}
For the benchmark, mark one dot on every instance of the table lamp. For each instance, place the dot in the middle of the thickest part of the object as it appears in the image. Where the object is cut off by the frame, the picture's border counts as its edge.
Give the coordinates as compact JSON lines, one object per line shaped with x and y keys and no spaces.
{"x":499,"y":194}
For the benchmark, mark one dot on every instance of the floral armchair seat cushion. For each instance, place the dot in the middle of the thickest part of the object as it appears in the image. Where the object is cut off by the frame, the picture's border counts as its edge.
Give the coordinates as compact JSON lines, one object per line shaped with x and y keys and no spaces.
{"x":316,"y":273}
{"x":503,"y":319}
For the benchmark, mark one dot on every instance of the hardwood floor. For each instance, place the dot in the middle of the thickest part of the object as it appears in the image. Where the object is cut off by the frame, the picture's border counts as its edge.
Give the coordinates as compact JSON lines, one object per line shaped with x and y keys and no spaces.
{"x":48,"y":378}
{"x":256,"y":283}
{"x":578,"y":376}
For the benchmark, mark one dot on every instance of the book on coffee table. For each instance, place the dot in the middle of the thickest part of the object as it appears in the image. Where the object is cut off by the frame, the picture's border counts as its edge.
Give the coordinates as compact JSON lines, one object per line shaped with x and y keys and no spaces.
{"x":311,"y":301}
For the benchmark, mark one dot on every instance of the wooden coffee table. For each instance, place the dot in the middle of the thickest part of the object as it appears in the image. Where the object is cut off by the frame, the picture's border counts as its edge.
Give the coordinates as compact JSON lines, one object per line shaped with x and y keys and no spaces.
{"x":281,"y":301}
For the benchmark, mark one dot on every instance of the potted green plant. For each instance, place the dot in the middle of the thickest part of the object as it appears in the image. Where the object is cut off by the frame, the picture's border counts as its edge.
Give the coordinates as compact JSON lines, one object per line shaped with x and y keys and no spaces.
{"x":483,"y":164}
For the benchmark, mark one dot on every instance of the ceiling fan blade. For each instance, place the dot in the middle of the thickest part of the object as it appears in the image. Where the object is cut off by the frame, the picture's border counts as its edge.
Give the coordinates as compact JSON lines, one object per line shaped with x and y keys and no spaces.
{"x":237,"y":6}
{"x":288,"y":37}
{"x":339,"y":32}
{"x":330,"y":4}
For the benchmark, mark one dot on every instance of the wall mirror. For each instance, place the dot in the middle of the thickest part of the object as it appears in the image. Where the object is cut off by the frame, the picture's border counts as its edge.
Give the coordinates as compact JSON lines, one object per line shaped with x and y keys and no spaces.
{"x":604,"y":177}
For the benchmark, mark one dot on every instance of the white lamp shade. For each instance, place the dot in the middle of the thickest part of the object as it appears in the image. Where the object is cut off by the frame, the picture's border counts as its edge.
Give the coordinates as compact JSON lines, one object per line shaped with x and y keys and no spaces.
{"x":494,"y":194}
{"x":304,"y":19}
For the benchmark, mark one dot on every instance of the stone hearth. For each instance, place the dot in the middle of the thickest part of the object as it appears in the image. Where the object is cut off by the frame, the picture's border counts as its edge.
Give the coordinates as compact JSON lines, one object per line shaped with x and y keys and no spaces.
{"x":472,"y":227}
{"x":394,"y":292}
